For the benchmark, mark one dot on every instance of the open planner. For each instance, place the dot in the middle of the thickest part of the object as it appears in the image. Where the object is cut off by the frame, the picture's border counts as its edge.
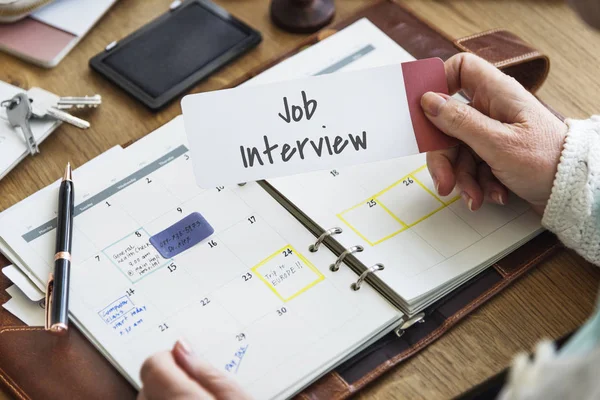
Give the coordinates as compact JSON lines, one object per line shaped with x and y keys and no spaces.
{"x":261,"y":298}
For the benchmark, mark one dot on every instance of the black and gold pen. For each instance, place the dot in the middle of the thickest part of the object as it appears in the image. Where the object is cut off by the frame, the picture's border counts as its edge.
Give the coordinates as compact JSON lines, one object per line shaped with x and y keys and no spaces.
{"x":57,"y":293}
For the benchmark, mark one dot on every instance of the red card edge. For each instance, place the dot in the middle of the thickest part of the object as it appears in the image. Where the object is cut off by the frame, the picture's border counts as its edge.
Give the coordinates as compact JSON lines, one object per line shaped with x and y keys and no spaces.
{"x":420,"y":77}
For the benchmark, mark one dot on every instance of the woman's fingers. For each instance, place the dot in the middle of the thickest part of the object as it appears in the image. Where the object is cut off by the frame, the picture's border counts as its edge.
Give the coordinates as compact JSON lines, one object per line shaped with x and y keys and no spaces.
{"x":441,"y":168}
{"x":459,"y":166}
{"x":465,"y":171}
{"x":222,"y":386}
{"x":491,"y":91}
{"x":466,"y":71}
{"x":504,"y":125}
{"x":493,"y":190}
{"x":162,"y":379}
{"x":457,"y":119}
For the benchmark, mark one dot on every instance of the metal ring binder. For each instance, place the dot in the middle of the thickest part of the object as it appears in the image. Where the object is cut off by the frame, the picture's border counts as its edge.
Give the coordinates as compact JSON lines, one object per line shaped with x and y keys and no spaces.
{"x":354,"y":249}
{"x":313,"y":248}
{"x":371,"y":270}
{"x":407,"y":323}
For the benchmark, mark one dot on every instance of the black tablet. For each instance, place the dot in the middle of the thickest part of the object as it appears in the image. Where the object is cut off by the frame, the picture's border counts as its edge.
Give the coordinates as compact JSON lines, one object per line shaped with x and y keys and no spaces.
{"x":166,"y":57}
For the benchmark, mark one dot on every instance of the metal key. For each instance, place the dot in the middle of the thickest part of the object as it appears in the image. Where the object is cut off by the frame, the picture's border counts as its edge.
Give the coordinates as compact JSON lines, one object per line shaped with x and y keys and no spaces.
{"x":18,"y":111}
{"x":68,"y":102}
{"x":43,"y":103}
{"x":64,"y":103}
{"x":65,"y":117}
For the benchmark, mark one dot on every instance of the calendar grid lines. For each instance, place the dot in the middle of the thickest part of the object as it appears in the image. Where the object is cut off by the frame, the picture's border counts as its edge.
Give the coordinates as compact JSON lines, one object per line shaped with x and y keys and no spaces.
{"x":443,"y":206}
{"x":426,"y":189}
{"x":284,"y":250}
{"x":130,"y":272}
{"x":376,"y":200}
{"x":466,"y":248}
{"x":89,"y":240}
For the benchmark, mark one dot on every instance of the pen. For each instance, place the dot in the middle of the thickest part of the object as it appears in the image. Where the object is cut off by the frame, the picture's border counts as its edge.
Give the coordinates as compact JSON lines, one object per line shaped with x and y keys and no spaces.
{"x":57,"y":293}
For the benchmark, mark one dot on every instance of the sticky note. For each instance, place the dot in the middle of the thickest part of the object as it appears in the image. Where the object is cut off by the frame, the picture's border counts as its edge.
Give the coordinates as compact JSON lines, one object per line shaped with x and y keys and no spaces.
{"x":182,"y":235}
{"x":322,"y":122}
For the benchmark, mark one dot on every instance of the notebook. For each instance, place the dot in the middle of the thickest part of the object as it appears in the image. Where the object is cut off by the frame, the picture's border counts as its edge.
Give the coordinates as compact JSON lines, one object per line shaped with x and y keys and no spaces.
{"x":252,"y":298}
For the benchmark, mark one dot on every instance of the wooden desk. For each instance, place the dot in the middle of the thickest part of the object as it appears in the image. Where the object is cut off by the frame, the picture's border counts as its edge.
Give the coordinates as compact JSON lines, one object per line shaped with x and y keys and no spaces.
{"x":551,"y":301}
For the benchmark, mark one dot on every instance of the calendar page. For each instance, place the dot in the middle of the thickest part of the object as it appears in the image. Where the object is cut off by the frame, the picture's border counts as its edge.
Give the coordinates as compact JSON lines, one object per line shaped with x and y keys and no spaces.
{"x":429,"y":244}
{"x":250,"y":298}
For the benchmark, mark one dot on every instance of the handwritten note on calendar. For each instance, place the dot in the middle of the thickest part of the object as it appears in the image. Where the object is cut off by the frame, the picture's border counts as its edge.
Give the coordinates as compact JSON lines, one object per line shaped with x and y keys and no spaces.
{"x":258,"y":132}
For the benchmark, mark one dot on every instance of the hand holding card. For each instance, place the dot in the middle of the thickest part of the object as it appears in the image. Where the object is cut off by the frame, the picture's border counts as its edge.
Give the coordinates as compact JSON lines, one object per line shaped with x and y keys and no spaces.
{"x":258,"y":132}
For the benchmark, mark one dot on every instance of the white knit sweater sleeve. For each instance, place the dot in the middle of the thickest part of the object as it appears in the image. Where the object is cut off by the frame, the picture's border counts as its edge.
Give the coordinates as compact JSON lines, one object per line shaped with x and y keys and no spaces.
{"x":573,"y":210}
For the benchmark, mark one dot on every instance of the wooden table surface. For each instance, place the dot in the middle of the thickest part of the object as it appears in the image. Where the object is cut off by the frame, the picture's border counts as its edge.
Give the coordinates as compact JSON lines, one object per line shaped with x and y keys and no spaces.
{"x":549,"y":302}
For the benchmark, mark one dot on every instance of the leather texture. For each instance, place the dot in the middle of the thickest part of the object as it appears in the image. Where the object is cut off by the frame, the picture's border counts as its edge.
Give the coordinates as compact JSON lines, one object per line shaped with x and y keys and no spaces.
{"x":34,"y":364}
{"x":507,"y":52}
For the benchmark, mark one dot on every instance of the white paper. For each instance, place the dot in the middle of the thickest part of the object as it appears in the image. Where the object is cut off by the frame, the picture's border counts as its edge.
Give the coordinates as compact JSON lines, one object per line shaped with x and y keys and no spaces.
{"x":256,"y":132}
{"x":73,"y":16}
{"x":30,"y":312}
{"x":23,"y":282}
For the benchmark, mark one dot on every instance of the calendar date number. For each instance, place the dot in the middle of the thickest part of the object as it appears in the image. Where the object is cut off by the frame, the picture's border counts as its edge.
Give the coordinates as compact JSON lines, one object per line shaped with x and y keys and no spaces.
{"x":247,"y":276}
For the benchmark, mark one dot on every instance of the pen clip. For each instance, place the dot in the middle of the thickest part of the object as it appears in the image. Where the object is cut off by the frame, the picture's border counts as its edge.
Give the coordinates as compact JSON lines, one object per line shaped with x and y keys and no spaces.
{"x":49,"y":289}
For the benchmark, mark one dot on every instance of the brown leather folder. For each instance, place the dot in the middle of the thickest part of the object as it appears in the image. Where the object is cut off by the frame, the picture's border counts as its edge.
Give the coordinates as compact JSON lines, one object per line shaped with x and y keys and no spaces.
{"x":34,"y":364}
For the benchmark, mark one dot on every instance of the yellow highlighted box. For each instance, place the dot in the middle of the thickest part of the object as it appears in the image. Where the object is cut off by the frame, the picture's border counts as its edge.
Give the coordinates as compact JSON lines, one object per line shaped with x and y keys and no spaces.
{"x":287,"y":273}
{"x":343,"y":216}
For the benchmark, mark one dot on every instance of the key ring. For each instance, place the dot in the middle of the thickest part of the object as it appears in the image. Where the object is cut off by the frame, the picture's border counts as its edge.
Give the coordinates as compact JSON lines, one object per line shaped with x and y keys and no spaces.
{"x":10,"y":103}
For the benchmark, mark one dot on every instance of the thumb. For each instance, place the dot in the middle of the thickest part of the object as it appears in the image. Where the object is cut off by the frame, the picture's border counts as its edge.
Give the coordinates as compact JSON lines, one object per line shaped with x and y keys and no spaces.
{"x":464,"y":122}
{"x":218,"y":383}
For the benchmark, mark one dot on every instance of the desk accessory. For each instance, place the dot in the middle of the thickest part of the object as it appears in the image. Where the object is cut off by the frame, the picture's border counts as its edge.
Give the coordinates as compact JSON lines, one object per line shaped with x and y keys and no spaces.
{"x":57,"y":290}
{"x":39,"y":103}
{"x":302,"y":16}
{"x":412,"y":336}
{"x":48,"y":34}
{"x":192,"y":40}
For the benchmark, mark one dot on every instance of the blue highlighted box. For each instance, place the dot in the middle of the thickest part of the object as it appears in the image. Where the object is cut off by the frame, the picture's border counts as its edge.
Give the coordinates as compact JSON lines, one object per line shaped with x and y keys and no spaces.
{"x":182,"y":235}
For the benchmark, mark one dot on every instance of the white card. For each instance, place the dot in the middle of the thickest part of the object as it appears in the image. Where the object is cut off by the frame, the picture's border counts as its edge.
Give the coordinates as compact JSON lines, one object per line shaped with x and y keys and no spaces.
{"x":265,"y":131}
{"x":30,"y":312}
{"x":21,"y":280}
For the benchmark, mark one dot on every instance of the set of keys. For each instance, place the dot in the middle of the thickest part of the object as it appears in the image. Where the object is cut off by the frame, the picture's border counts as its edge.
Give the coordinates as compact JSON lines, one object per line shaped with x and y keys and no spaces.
{"x":39,"y":103}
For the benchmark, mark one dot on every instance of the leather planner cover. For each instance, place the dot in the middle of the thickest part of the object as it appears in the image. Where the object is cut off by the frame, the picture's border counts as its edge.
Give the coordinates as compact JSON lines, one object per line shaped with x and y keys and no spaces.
{"x":34,"y":364}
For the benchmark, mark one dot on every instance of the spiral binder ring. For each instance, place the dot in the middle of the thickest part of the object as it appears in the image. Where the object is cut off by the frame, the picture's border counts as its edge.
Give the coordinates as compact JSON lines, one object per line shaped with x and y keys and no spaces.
{"x":313,"y":248}
{"x":354,"y":249}
{"x":371,"y":270}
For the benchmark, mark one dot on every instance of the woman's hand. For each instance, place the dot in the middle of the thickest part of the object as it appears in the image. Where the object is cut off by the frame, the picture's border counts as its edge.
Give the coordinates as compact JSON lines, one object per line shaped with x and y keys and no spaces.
{"x":509,"y":139}
{"x":179,"y":374}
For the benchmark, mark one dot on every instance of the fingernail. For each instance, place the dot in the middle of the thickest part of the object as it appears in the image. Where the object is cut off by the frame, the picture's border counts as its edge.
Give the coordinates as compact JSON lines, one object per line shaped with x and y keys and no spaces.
{"x":184,"y":346}
{"x":468,"y":200}
{"x":436,"y":184}
{"x":432,"y":102}
{"x":498,"y":198}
